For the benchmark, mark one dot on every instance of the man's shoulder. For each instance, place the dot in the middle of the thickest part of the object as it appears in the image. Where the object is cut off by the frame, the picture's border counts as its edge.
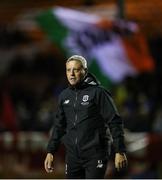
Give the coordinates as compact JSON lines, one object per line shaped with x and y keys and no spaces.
{"x":64,"y":91}
{"x":101,"y":89}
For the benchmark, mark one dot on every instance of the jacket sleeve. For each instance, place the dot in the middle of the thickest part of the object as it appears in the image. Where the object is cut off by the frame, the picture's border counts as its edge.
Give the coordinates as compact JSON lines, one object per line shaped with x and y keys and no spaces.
{"x":112,"y":119}
{"x":58,"y":130}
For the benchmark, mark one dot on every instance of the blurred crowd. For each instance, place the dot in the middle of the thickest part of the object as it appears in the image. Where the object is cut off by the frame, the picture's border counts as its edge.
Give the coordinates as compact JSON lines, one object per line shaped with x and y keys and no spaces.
{"x":30,"y":80}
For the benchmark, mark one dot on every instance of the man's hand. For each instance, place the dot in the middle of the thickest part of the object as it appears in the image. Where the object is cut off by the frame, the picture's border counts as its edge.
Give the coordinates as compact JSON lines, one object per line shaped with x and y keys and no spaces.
{"x":120,"y":161}
{"x":48,"y":163}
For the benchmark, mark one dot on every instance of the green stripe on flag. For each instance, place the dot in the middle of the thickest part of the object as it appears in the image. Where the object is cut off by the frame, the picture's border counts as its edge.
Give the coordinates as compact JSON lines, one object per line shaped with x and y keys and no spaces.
{"x":52,"y":27}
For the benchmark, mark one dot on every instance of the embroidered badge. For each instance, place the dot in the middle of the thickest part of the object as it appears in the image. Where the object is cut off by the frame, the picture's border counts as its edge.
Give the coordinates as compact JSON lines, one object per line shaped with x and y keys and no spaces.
{"x":85,"y":100}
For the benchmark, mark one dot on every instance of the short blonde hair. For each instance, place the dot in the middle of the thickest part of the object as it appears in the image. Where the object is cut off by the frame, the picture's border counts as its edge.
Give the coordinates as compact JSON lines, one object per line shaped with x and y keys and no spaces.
{"x":78,"y":58}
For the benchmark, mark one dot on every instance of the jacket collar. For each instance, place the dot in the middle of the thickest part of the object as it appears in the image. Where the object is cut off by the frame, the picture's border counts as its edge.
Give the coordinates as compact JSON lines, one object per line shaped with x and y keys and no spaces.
{"x":88,"y":80}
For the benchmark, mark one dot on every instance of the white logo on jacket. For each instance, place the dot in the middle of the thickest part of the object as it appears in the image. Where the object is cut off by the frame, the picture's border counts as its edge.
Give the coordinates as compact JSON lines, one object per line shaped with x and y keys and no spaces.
{"x":99,"y":164}
{"x":66,"y":101}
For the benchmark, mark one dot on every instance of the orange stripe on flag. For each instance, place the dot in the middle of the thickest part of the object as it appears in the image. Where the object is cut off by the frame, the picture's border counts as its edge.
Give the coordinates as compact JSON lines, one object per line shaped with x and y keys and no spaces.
{"x":138,"y":52}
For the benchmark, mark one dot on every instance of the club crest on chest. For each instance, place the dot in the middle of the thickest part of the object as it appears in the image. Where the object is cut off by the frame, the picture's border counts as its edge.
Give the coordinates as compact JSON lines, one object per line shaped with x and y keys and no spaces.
{"x":85,"y":100}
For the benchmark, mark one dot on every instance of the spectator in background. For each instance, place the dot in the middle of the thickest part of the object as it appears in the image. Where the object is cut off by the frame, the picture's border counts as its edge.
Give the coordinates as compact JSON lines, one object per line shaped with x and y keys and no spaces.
{"x":85,"y":121}
{"x":8,"y":115}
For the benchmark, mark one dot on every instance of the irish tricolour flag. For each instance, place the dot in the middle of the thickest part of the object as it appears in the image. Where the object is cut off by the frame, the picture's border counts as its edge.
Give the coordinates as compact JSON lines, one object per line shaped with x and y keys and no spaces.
{"x":113,"y":50}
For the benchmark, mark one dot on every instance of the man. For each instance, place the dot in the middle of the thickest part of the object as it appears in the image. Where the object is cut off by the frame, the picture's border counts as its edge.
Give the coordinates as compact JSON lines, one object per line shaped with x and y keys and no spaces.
{"x":85,"y":118}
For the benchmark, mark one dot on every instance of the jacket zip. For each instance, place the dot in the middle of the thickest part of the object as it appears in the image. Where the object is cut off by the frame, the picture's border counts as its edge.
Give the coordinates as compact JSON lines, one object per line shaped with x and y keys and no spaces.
{"x":76,"y":117}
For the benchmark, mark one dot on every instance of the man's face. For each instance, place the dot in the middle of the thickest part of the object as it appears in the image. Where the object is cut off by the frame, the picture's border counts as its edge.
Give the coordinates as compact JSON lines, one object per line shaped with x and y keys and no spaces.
{"x":74,"y":72}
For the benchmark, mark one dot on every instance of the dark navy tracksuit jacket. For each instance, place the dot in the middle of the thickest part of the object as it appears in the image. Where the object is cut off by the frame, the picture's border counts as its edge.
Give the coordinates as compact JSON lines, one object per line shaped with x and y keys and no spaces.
{"x":86,"y":122}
